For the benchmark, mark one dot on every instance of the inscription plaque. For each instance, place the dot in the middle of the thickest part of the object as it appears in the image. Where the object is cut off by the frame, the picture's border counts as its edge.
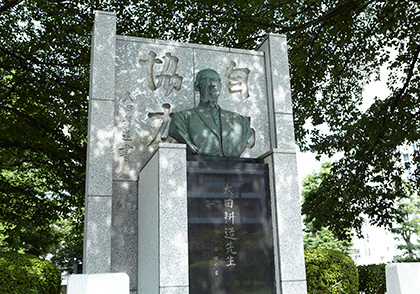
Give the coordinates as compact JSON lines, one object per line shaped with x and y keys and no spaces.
{"x":230,"y":235}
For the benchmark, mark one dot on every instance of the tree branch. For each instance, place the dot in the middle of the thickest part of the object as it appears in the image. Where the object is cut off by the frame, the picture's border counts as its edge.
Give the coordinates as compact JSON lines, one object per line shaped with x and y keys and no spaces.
{"x":9,"y":4}
{"x":19,"y":144}
{"x":41,"y":125}
{"x":397,"y":98}
{"x":10,"y":91}
{"x":6,"y":165}
{"x":35,"y":60}
{"x":330,"y":14}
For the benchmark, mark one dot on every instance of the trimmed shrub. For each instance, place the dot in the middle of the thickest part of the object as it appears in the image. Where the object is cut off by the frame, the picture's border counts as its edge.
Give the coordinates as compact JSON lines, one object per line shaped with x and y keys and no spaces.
{"x":409,"y":259}
{"x":372,"y":278}
{"x":330,"y":271}
{"x":25,"y":273}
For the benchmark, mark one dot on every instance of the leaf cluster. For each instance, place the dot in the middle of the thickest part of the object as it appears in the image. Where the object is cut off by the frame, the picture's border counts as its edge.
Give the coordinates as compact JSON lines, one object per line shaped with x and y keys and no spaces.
{"x":330,"y":271}
{"x":25,"y":273}
{"x":325,"y":239}
{"x":407,"y":225}
{"x":372,"y":278}
{"x":43,"y":120}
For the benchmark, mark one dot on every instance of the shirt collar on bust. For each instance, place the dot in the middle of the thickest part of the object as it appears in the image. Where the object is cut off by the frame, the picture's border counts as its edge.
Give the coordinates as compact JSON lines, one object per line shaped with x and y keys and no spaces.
{"x":209,"y":104}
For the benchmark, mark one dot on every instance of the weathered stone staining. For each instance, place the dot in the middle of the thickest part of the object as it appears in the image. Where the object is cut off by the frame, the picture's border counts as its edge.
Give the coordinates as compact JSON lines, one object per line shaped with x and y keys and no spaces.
{"x":137,"y":86}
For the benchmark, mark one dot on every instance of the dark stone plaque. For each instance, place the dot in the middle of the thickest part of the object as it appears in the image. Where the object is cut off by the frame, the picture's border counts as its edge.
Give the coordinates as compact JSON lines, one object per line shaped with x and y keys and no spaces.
{"x":230,"y":235}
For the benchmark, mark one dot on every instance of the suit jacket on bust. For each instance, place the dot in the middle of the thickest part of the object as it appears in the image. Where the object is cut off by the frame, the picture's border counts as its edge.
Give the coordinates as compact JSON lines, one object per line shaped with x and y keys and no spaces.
{"x":197,"y":128}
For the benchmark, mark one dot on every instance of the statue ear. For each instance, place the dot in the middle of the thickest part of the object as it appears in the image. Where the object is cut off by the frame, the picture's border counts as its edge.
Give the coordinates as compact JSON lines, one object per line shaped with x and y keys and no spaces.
{"x":196,"y":85}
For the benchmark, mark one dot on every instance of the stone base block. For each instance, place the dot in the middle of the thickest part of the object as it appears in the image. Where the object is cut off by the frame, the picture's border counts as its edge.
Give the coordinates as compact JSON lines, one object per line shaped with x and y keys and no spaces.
{"x":114,"y":283}
{"x":403,"y":278}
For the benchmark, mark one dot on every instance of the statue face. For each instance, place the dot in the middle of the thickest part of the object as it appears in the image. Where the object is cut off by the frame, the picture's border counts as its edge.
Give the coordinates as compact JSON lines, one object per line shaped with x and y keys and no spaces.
{"x":209,"y":86}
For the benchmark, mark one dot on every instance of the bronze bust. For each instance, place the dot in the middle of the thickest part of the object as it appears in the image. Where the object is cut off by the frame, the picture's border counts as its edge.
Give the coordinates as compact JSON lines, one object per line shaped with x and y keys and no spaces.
{"x":207,"y":129}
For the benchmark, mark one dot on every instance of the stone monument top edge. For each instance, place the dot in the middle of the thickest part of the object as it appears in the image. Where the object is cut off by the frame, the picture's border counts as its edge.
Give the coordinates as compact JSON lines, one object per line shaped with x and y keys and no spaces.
{"x":276,"y":35}
{"x":268,"y":36}
{"x":162,"y":146}
{"x":275,"y":151}
{"x":187,"y":45}
{"x":110,"y":13}
{"x":172,"y":145}
{"x":254,"y":51}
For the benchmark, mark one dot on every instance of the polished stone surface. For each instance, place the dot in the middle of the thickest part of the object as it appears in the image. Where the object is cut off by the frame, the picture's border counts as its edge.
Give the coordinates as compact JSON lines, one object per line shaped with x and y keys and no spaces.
{"x":229,"y":226}
{"x":148,"y":228}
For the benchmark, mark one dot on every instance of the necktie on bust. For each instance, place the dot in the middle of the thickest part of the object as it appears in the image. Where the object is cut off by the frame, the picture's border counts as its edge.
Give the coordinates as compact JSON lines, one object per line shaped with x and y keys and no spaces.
{"x":214,"y":111}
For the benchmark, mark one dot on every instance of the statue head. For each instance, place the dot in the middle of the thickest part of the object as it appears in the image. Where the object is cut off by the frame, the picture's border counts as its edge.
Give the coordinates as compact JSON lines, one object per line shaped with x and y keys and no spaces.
{"x":209,"y":84}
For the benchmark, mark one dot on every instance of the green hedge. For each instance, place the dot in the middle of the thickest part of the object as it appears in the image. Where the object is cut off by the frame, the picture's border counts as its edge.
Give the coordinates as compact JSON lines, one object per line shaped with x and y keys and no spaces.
{"x":27,"y":274}
{"x":372,"y":278}
{"x":330,"y":271}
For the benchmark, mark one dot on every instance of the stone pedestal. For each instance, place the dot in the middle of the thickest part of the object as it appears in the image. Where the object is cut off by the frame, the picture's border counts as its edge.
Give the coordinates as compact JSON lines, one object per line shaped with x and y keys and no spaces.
{"x":403,"y":278}
{"x":112,"y":283}
{"x":163,"y":230}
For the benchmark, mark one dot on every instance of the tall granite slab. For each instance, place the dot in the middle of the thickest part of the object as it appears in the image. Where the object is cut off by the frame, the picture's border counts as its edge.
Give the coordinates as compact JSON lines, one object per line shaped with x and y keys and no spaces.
{"x":136,"y":85}
{"x":98,"y":212}
{"x":163,"y":229}
{"x":288,"y":243}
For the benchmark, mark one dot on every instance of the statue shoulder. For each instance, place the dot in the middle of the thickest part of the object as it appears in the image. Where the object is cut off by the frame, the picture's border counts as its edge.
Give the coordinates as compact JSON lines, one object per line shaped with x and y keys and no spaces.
{"x":183,"y":113}
{"x":235,"y":115}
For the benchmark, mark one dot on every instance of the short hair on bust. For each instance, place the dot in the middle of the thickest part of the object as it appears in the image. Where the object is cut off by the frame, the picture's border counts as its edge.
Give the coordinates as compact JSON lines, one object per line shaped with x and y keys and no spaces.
{"x":202,"y":72}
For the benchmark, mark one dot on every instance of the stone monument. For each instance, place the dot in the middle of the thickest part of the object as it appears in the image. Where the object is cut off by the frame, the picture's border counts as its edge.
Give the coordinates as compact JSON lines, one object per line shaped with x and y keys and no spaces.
{"x":144,"y":190}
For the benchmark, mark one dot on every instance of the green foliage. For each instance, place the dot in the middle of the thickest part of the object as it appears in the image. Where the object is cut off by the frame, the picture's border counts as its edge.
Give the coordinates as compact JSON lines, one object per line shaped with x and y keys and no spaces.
{"x":408,"y":226}
{"x":325,"y":239}
{"x":409,"y":259}
{"x":330,"y":271}
{"x":335,"y":48}
{"x":25,"y":273}
{"x":372,"y":278}
{"x":43,"y":121}
{"x":69,"y":251}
